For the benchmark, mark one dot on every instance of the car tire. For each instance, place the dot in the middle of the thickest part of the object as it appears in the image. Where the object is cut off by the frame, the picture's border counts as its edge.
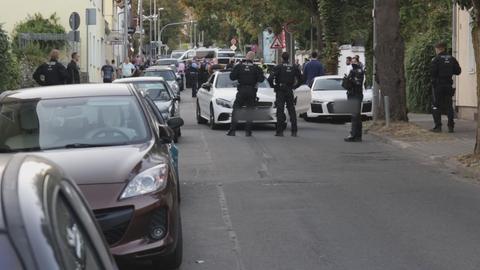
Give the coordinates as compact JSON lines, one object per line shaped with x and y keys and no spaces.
{"x":173,"y":260}
{"x":211,"y":122}
{"x":200,"y":119}
{"x":306,"y":118}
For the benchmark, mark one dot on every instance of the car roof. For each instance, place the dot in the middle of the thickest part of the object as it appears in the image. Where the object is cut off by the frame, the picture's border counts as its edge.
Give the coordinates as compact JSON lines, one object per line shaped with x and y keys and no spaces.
{"x":170,"y":59}
{"x":154,"y":68}
{"x":140,"y":79}
{"x":329,"y":77}
{"x":70,"y":91}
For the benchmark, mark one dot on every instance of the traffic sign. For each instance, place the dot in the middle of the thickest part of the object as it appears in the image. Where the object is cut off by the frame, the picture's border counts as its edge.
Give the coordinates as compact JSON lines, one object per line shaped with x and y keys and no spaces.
{"x":276,"y":44}
{"x":74,"y":21}
{"x":233,"y":48}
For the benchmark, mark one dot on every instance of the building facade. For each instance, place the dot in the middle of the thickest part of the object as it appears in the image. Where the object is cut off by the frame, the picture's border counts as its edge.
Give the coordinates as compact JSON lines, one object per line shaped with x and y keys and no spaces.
{"x":466,"y":83}
{"x":94,"y":46}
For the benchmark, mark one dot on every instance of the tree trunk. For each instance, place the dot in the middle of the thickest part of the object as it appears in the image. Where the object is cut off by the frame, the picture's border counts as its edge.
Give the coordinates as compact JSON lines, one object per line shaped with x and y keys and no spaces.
{"x":389,"y":54}
{"x":476,"y":49}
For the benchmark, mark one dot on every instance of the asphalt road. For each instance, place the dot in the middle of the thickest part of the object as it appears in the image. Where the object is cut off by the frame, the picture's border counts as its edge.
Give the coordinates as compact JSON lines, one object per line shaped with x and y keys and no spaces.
{"x":316,"y":202}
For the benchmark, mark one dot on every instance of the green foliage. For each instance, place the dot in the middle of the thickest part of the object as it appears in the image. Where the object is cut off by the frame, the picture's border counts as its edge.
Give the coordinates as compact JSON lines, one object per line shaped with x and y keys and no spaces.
{"x":417,"y":70}
{"x":38,"y":24}
{"x":9,"y":71}
{"x":420,"y":47}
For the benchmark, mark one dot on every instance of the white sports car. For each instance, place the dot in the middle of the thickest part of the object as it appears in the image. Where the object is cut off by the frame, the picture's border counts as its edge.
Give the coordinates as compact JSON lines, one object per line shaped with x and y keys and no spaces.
{"x":329,"y":99}
{"x":215,"y":101}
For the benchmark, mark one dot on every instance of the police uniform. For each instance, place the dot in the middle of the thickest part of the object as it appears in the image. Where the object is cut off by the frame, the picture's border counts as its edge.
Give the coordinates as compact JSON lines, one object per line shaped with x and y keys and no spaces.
{"x":248,"y":76}
{"x":443,"y":67}
{"x":355,"y":98}
{"x":50,"y":73}
{"x":284,"y":79}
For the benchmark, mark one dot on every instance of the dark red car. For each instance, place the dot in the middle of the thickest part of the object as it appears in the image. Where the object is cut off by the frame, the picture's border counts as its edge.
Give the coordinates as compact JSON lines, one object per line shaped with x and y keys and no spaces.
{"x":112,"y":141}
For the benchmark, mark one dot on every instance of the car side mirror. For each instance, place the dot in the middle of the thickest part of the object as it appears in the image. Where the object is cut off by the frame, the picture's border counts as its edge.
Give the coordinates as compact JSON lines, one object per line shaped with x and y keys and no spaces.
{"x":207,"y":86}
{"x":175,"y":122}
{"x":167,"y":135}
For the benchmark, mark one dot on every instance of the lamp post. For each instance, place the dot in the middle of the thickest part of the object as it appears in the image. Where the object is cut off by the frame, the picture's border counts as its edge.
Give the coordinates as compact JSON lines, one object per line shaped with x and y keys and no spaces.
{"x":157,"y":18}
{"x":171,"y":24}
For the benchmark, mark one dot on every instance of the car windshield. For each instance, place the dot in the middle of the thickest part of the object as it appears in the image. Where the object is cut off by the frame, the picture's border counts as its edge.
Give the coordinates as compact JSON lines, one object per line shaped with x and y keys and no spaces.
{"x":177,"y":55}
{"x":328,"y":85}
{"x":224,"y":81}
{"x":34,"y":125}
{"x":226,"y":54}
{"x":205,"y":54}
{"x":167,"y":62}
{"x":156,"y":90}
{"x":168,"y":75}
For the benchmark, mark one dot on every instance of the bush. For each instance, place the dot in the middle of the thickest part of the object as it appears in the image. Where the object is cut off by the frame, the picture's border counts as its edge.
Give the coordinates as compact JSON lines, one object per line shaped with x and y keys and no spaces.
{"x":9,"y":70}
{"x":38,"y":24}
{"x":36,"y":52}
{"x":418,"y":58}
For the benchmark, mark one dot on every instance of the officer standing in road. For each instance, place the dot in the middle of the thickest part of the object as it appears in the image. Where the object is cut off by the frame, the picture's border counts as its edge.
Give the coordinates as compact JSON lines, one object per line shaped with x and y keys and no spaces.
{"x":248,"y":76}
{"x":443,"y":67}
{"x":284,"y":79}
{"x":52,"y":72}
{"x":355,"y":98}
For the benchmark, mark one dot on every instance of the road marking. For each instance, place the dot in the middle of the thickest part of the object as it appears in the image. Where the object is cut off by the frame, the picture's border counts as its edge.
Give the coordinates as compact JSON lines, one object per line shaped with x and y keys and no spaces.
{"x":228,"y":222}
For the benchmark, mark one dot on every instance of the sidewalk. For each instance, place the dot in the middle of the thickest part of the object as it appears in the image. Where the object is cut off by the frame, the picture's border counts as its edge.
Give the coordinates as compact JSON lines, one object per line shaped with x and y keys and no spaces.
{"x":446,"y":152}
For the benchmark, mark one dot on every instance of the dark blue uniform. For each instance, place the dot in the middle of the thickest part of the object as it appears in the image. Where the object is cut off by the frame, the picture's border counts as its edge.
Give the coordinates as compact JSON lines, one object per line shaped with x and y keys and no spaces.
{"x":443,"y":67}
{"x":50,"y":73}
{"x":355,"y":98}
{"x":285,"y":78}
{"x":248,"y":76}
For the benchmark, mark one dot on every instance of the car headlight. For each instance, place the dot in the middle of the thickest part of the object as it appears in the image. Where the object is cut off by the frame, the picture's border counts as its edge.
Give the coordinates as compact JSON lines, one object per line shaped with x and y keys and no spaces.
{"x":151,"y":180}
{"x":224,"y":103}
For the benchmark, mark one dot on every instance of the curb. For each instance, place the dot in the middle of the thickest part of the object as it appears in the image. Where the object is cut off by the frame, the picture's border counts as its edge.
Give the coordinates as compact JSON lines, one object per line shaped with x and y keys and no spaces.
{"x":450,"y":162}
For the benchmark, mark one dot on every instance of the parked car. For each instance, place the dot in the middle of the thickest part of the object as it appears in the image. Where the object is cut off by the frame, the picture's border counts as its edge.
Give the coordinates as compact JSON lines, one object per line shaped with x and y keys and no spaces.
{"x":329,"y":99}
{"x":215,"y":101}
{"x":167,"y":74}
{"x":224,"y":56}
{"x":45,"y":222}
{"x":168,"y":62}
{"x":177,"y":54}
{"x":161,"y":94}
{"x":109,"y":139}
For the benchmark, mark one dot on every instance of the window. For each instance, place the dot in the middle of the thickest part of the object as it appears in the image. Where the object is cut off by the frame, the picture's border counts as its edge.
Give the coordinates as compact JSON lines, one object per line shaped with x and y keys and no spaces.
{"x":58,"y":123}
{"x":155,"y":90}
{"x":167,"y":75}
{"x":328,"y":85}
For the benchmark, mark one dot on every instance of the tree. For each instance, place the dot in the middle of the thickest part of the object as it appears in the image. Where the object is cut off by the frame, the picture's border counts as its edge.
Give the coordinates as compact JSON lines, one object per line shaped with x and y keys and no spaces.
{"x":389,"y":53}
{"x":9,"y":71}
{"x":473,"y":6}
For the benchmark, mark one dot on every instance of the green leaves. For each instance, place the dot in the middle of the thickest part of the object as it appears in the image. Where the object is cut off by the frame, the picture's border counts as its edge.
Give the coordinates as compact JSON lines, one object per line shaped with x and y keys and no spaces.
{"x":9,"y":71}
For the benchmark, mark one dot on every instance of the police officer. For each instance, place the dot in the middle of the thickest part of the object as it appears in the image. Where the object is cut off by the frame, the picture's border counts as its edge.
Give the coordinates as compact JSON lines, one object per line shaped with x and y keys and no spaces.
{"x":443,"y":67}
{"x":248,"y":76}
{"x":51,"y":73}
{"x":355,"y":98}
{"x":284,"y":79}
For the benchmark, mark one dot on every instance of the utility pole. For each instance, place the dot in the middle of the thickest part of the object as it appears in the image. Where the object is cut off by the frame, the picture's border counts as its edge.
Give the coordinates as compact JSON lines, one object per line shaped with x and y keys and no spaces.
{"x":150,"y":22}
{"x":125,"y":27}
{"x":311,"y":33}
{"x":140,"y":18}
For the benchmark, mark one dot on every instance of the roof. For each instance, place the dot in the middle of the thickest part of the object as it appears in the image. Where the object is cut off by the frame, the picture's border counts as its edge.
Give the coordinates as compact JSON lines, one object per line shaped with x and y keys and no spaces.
{"x":329,"y":77}
{"x":70,"y":91}
{"x":139,"y":79}
{"x":159,"y":68}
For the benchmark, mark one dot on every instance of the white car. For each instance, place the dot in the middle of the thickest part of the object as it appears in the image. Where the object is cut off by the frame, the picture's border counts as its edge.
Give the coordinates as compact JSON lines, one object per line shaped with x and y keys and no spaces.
{"x":329,"y":99}
{"x":215,"y":101}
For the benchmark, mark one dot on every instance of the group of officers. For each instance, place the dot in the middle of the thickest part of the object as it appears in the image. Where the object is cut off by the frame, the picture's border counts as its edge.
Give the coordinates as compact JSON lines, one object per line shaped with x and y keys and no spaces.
{"x":285,"y":78}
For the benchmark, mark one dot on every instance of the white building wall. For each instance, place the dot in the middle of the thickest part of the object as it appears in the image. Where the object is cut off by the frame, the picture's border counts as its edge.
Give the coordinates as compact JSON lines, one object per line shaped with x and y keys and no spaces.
{"x":93,"y":51}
